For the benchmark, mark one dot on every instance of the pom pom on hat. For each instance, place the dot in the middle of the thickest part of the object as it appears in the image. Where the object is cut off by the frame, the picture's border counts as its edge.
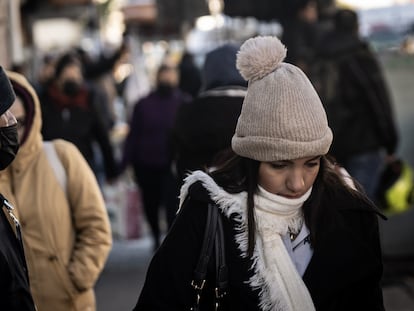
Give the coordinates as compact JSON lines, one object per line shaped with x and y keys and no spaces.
{"x":282,"y":117}
{"x":260,"y":56}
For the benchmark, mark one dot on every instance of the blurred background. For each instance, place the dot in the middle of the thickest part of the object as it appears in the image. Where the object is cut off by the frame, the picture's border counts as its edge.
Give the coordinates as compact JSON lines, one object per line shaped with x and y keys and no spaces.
{"x":34,"y":32}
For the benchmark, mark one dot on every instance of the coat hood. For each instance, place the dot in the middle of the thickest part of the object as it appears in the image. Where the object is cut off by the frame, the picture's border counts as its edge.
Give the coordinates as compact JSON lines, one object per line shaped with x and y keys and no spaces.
{"x":32,"y":138}
{"x":220,"y":68}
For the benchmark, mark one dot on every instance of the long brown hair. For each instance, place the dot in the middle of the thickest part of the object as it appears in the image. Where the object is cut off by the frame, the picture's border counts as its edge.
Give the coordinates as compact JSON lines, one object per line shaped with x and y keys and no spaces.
{"x":236,"y":174}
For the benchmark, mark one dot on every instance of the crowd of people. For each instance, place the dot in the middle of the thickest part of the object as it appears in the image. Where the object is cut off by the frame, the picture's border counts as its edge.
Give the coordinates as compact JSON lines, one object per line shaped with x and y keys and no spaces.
{"x":285,"y":138}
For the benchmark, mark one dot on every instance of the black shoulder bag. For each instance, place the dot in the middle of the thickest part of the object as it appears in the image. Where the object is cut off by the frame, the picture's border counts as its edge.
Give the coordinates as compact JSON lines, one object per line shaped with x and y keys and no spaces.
{"x":213,"y":237}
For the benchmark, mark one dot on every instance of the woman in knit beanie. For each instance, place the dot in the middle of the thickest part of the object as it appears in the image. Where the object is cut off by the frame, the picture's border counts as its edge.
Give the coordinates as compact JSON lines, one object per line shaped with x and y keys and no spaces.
{"x":298,"y":235}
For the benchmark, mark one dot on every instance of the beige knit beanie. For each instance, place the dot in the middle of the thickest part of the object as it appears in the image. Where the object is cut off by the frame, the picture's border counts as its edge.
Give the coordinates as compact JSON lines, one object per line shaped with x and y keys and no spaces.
{"x":282,"y":117}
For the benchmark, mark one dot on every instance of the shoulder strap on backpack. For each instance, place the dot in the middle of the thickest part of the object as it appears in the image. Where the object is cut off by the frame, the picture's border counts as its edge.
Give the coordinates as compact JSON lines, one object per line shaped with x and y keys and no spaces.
{"x":55,"y":163}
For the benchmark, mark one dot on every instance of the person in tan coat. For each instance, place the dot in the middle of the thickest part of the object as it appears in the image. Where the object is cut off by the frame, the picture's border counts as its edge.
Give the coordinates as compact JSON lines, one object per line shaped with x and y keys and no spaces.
{"x":66,"y":229}
{"x":15,"y":292}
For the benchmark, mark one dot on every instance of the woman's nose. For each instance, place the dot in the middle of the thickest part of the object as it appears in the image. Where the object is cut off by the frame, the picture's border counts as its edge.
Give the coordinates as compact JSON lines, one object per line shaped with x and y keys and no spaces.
{"x":7,"y":119}
{"x":296,"y":182}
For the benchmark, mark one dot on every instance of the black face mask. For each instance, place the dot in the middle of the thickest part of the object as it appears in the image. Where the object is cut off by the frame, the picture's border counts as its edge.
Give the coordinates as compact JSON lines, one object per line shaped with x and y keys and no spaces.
{"x":71,"y":87}
{"x":164,"y":89}
{"x":9,"y":145}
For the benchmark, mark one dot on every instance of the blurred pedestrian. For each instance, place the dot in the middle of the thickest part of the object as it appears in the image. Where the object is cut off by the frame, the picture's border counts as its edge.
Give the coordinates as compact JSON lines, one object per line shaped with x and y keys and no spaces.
{"x":147,"y":148}
{"x":96,"y":68}
{"x":15,"y":292}
{"x":75,"y":111}
{"x":46,"y":72}
{"x":66,"y":230}
{"x":296,"y":235}
{"x":190,"y":76}
{"x":205,"y":127}
{"x":300,"y":32}
{"x":359,"y":107}
{"x":99,"y":71}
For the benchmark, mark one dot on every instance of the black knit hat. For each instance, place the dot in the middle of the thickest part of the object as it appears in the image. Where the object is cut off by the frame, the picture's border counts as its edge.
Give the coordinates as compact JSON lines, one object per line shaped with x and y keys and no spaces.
{"x":7,"y":95}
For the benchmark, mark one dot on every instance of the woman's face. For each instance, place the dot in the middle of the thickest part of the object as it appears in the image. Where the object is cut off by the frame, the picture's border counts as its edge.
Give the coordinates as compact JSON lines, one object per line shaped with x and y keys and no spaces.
{"x":71,"y":72}
{"x":289,"y":178}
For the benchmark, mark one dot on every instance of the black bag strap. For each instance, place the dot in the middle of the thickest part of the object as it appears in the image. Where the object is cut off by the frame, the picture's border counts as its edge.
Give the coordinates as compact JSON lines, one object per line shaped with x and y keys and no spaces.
{"x":221,"y":266}
{"x":200,"y":271}
{"x":213,"y":236}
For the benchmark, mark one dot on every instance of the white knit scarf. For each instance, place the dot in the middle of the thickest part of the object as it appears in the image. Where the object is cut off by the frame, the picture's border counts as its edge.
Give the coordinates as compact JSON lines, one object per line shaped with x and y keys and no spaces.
{"x":280,"y":286}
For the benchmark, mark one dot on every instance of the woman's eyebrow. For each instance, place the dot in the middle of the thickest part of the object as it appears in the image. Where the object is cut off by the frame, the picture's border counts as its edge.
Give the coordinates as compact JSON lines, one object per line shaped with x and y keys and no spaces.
{"x":291,"y":161}
{"x":281,"y":162}
{"x":313,"y":159}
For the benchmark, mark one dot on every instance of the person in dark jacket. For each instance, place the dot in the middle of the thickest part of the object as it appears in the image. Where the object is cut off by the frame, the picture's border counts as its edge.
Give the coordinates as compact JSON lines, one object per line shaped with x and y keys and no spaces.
{"x":190,"y":76}
{"x":15,"y":292}
{"x":205,"y":127}
{"x":300,"y":32}
{"x":359,"y":107}
{"x":74,"y":110}
{"x":298,"y":233}
{"x":147,"y":148}
{"x":94,"y":69}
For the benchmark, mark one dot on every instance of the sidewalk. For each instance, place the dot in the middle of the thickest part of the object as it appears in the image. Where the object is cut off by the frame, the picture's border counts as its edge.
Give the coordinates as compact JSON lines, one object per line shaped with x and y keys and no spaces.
{"x":400,"y":296}
{"x":123,"y":277}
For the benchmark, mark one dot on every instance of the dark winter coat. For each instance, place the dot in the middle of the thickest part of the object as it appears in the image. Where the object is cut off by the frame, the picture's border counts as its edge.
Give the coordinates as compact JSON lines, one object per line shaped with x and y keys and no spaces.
{"x":344,"y":273}
{"x":300,"y":38}
{"x":149,"y":140}
{"x":14,"y":283}
{"x":353,"y":90}
{"x":190,"y":75}
{"x":205,"y":127}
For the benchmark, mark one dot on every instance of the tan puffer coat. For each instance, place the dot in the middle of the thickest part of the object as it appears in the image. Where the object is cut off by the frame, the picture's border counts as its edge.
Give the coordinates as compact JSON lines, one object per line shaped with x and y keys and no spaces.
{"x":67,"y":237}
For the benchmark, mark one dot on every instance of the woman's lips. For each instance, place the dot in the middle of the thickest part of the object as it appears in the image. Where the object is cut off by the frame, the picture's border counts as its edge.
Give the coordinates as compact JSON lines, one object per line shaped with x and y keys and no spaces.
{"x":290,"y":196}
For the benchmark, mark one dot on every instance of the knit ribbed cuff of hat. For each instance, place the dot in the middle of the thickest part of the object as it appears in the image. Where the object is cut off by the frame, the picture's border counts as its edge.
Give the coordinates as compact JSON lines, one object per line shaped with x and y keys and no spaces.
{"x":269,"y":149}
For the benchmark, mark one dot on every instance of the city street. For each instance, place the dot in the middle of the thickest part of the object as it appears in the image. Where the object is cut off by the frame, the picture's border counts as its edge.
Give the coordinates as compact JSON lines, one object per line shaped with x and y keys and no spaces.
{"x":123,"y":276}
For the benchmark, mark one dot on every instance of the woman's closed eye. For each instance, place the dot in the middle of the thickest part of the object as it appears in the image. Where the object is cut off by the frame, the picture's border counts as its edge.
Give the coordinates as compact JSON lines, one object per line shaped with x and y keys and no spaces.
{"x":21,"y":123}
{"x":312,"y":164}
{"x":279,"y":165}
